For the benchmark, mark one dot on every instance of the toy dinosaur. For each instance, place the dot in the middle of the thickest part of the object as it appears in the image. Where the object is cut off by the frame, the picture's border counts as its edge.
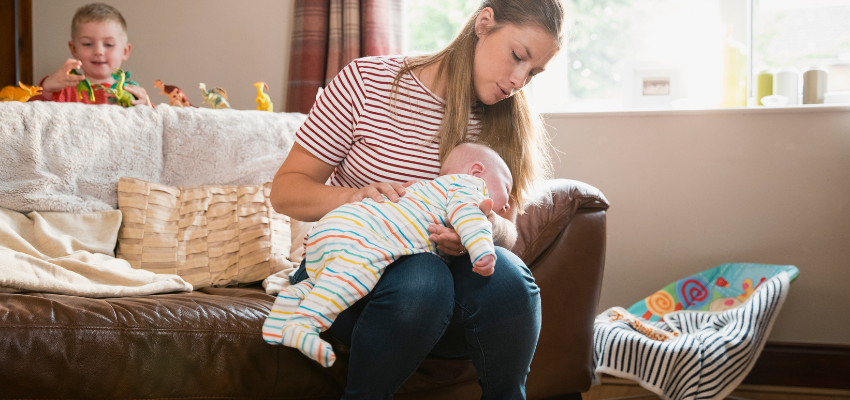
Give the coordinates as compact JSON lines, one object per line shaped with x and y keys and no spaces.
{"x":121,"y":96}
{"x":263,"y":100}
{"x":176,"y":97}
{"x":83,"y":86}
{"x":20,"y":93}
{"x":216,"y":97}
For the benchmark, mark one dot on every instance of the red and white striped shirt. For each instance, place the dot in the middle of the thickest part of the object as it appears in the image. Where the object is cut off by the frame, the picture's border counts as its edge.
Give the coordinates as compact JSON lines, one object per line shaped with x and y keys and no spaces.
{"x":354,"y":126}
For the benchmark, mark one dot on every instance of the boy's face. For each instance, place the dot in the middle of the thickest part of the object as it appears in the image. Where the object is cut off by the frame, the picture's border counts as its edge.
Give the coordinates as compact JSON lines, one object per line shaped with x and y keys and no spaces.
{"x":499,"y":184}
{"x":101,"y":47}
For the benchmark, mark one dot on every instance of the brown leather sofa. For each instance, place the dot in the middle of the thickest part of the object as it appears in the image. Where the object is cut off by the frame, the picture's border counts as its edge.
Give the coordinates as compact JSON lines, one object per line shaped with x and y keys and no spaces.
{"x":207,"y":344}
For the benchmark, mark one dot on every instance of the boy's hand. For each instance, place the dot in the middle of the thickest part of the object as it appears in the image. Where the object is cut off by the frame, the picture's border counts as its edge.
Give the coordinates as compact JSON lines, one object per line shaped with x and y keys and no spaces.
{"x":485,"y":265}
{"x":141,"y":95}
{"x":62,"y":77}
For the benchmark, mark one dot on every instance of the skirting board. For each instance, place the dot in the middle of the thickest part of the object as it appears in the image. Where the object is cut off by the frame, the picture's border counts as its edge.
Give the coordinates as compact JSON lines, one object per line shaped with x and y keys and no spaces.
{"x":809,"y":365}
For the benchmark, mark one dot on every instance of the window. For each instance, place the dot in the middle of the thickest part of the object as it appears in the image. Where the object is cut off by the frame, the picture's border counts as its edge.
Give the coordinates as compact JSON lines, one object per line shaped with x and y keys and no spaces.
{"x":663,"y":54}
{"x":802,"y":34}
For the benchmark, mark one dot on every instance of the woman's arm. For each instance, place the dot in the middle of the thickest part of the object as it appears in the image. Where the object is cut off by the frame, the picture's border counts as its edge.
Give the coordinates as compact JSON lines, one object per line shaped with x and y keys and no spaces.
{"x":504,"y":228}
{"x":299,"y":189}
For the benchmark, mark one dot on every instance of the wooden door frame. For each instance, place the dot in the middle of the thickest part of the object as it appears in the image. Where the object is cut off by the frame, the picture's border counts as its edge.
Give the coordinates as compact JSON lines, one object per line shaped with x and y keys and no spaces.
{"x":19,"y":56}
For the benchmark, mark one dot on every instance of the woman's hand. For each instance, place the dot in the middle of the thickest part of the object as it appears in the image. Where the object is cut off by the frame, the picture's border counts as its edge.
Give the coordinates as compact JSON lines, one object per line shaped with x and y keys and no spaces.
{"x":447,"y":239}
{"x":299,"y":188}
{"x":378,"y":190}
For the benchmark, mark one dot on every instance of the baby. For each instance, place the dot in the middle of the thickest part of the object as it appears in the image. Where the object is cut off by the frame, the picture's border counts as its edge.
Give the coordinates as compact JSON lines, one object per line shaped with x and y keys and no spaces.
{"x":349,"y":248}
{"x":99,"y":45}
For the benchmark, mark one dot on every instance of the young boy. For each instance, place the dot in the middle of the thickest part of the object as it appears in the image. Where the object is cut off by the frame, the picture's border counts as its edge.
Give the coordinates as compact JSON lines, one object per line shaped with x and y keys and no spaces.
{"x":99,"y":45}
{"x":349,"y":248}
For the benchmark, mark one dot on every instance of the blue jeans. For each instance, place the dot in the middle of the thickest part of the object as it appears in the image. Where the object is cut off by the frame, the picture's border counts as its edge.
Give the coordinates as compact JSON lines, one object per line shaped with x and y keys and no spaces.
{"x":422,"y":307}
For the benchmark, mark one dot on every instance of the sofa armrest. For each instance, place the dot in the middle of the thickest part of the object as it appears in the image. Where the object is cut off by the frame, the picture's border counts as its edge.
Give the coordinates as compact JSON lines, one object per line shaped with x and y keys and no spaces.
{"x":562,"y":240}
{"x":558,"y":201}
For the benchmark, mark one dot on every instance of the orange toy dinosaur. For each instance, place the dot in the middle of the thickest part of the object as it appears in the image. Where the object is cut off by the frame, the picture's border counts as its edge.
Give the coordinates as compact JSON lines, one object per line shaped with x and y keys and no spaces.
{"x":176,"y":96}
{"x":22,"y":93}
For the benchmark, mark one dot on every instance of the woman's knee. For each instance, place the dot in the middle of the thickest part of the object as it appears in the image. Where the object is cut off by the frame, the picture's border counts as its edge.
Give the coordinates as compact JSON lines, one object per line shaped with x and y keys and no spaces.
{"x":419,"y":287}
{"x":511,"y":288}
{"x":517,"y":284}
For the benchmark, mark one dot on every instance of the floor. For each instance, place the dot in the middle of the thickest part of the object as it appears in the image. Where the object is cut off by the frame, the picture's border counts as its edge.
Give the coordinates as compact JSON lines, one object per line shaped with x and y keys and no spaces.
{"x":615,"y":388}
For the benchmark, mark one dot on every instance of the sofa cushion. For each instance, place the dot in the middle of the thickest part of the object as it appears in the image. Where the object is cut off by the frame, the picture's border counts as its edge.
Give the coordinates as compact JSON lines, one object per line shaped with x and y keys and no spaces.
{"x":209,"y":235}
{"x":159,"y":346}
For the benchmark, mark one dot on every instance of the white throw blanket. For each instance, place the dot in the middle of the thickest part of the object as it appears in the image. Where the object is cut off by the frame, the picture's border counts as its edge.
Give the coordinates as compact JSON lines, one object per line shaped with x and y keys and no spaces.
{"x":69,"y":157}
{"x":713,"y":353}
{"x":71,"y":254}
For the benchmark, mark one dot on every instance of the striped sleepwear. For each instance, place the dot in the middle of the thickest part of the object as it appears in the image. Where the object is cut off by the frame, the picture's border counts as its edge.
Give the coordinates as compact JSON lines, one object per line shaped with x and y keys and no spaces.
{"x":349,"y":248}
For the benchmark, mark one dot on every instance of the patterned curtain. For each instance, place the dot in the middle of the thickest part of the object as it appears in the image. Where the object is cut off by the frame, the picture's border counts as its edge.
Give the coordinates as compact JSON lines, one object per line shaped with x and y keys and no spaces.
{"x":329,"y":34}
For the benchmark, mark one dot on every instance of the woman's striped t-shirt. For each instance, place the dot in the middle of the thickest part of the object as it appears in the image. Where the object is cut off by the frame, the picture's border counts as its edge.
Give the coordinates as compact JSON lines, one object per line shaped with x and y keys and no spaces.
{"x":371,"y":136}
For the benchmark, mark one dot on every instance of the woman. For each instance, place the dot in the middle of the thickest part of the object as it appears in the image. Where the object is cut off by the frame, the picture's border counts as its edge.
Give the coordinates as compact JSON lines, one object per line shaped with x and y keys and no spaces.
{"x":384,"y":121}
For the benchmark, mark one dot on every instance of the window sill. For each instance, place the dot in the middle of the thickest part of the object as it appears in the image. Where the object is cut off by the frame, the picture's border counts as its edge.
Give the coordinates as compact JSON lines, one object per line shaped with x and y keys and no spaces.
{"x":808,"y":108}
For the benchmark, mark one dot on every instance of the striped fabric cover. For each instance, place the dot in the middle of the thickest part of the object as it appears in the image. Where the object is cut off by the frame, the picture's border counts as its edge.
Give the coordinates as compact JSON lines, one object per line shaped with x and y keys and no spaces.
{"x":713,"y":353}
{"x":357,"y":126}
{"x":209,"y":235}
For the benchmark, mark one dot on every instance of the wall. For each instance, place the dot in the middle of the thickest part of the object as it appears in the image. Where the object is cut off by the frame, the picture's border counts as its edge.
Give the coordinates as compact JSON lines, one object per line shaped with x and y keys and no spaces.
{"x":690,"y":190}
{"x":230,"y":44}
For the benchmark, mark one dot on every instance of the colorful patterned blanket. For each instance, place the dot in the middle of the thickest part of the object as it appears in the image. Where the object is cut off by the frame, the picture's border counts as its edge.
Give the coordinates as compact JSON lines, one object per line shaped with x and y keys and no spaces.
{"x":698,"y":337}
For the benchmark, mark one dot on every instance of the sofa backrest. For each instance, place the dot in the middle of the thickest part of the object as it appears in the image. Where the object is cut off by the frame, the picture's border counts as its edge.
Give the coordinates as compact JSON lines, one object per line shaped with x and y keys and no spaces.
{"x":69,"y":157}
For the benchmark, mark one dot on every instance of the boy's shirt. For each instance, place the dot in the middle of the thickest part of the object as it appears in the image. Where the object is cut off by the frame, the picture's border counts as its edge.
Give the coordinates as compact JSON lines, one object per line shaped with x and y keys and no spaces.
{"x":71,"y":95}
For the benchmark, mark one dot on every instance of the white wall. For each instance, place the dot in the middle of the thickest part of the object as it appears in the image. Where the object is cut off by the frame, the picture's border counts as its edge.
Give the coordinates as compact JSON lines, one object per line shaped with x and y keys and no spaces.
{"x":230,"y":44}
{"x":690,"y":190}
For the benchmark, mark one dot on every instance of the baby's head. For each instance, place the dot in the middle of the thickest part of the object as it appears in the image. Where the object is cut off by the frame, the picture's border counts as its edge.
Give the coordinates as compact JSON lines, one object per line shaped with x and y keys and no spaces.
{"x":482,"y":162}
{"x":99,"y":41}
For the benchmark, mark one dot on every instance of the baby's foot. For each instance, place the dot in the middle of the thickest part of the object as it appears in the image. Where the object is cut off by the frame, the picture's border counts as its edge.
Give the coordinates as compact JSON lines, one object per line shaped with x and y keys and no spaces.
{"x":307,"y":340}
{"x":285,"y":303}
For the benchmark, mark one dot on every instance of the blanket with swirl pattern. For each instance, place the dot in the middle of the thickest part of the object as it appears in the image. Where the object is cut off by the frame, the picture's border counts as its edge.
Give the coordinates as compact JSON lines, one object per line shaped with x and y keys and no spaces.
{"x":698,"y":337}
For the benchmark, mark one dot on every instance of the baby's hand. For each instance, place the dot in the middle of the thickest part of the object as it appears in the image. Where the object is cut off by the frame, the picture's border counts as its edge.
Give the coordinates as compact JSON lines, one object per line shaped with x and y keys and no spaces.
{"x":486,"y":206}
{"x":62,"y":77}
{"x":485,"y":265}
{"x":141,"y":95}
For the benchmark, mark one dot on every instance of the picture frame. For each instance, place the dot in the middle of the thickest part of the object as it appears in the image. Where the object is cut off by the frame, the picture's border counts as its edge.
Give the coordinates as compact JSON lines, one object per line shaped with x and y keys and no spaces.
{"x":654,"y":87}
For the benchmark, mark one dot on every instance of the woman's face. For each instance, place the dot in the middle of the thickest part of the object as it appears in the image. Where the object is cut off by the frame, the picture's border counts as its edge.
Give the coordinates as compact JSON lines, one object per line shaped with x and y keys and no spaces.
{"x":506,"y":59}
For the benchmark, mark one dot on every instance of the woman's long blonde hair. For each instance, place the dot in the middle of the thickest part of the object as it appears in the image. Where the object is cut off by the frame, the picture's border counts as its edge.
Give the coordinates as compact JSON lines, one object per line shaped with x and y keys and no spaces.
{"x":509,"y":127}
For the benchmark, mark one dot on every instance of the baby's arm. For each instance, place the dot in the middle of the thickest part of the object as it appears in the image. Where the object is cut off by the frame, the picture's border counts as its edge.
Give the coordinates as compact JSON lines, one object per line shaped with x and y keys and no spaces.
{"x":61,"y":78}
{"x":464,"y":197}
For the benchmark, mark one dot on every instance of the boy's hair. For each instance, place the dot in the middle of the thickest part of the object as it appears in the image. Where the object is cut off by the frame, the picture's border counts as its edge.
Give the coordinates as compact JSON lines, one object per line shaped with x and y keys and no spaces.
{"x":469,"y":152}
{"x":97,"y":12}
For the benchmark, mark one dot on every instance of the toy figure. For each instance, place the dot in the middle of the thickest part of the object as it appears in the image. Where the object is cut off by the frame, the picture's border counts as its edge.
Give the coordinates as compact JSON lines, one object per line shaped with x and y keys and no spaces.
{"x":263,"y":100}
{"x":216,"y":97}
{"x":176,"y":97}
{"x":83,"y":86}
{"x":122,"y":97}
{"x":20,"y":93}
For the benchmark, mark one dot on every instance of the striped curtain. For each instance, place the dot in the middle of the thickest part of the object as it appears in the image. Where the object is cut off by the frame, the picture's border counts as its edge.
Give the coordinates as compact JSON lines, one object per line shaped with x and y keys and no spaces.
{"x":329,"y":34}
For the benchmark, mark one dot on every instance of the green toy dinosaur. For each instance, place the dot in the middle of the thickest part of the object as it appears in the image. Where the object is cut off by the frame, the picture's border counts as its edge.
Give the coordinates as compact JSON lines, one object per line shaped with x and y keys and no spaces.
{"x":121,"y":96}
{"x":83,"y":86}
{"x":216,"y":97}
